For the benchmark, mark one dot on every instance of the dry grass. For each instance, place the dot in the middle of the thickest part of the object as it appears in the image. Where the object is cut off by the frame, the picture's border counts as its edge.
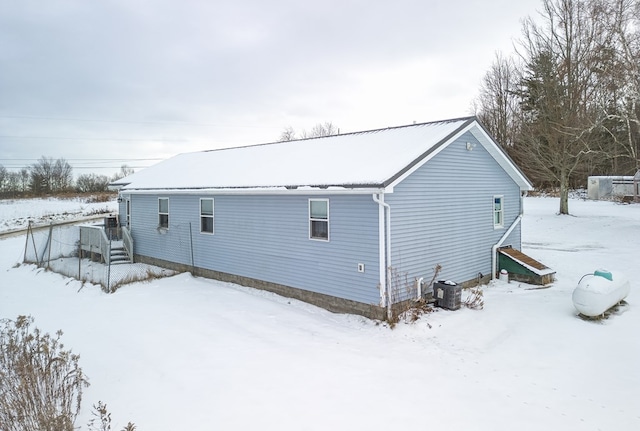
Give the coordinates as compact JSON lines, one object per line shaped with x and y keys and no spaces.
{"x":40,"y":383}
{"x":474,"y":298}
{"x":403,"y":294}
{"x":146,"y":276}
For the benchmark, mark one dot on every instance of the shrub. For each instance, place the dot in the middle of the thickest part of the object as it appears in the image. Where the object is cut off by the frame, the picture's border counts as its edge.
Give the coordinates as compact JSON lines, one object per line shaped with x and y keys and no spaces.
{"x":102,"y":419}
{"x":40,"y":383}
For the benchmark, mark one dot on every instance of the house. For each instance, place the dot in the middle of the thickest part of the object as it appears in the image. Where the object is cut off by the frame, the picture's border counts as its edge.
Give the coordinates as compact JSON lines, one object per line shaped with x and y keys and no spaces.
{"x":354,"y":222}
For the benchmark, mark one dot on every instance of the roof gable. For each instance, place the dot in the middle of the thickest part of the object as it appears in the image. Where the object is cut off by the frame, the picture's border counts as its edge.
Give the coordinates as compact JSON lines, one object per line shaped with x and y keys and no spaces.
{"x":363,"y":160}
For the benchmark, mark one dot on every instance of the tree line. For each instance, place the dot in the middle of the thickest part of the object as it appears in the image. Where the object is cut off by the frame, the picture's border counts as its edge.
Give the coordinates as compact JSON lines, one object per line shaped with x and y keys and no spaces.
{"x":48,"y":176}
{"x":566,"y":103}
{"x":318,"y":131}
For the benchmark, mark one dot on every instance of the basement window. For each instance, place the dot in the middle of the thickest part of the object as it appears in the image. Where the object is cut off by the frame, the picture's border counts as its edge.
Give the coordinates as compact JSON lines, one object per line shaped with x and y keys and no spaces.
{"x":163,"y":213}
{"x":206,"y":216}
{"x":319,"y":219}
{"x":498,"y":212}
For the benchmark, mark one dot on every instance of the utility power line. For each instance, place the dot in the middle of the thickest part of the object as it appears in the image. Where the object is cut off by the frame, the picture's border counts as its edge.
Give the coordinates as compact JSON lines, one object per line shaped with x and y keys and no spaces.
{"x":98,"y":139}
{"x":90,"y":120}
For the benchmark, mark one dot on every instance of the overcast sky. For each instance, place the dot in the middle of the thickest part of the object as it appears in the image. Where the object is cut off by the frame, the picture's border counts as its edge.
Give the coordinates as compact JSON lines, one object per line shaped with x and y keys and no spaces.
{"x":135,"y":80}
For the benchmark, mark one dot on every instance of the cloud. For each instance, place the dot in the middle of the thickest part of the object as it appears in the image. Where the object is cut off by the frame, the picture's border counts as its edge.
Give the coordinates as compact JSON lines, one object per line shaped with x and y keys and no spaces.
{"x":161,"y":77}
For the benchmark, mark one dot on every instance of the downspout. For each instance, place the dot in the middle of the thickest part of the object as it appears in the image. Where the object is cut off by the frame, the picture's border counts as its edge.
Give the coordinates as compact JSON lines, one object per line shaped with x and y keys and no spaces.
{"x":384,"y":246}
{"x":419,"y":287}
{"x":494,"y":249}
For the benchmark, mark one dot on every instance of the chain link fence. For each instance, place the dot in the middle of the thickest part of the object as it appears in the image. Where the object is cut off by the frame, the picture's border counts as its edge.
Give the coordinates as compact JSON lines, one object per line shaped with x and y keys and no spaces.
{"x":86,"y":253}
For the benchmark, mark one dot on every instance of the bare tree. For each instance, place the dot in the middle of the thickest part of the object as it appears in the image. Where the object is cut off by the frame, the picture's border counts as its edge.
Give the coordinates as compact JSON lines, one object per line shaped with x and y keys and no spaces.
{"x":62,"y":176}
{"x":619,"y":95}
{"x":497,"y":105}
{"x":3,"y":178}
{"x":558,"y":117}
{"x":288,"y":134}
{"x":50,"y":176}
{"x":319,"y":130}
{"x":24,"y":180}
{"x":92,"y":183}
{"x":41,"y":174}
{"x":125,"y":171}
{"x":12,"y":183}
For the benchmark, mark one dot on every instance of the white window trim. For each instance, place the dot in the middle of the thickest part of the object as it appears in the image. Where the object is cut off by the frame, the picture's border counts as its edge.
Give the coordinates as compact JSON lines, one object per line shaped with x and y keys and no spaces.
{"x":493,"y":211}
{"x":312,"y":219}
{"x":212,"y":216}
{"x":167,"y":213}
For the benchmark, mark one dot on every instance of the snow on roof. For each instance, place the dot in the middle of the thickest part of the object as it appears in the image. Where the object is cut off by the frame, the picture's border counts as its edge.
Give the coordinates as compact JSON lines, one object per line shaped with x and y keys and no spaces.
{"x":355,"y":160}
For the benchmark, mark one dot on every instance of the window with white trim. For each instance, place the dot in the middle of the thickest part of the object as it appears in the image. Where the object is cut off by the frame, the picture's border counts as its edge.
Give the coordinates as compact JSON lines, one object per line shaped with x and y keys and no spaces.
{"x":163,"y":213}
{"x":206,"y":216}
{"x":498,"y":212}
{"x":319,"y":219}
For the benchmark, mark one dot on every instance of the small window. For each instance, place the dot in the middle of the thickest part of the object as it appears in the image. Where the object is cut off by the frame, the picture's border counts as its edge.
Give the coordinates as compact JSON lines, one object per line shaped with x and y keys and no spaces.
{"x":319,"y":219}
{"x":163,"y":213}
{"x":206,"y":215}
{"x":498,"y":212}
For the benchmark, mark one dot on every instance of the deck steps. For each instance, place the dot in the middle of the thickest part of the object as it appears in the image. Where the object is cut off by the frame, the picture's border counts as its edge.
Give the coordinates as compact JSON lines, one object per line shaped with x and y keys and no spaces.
{"x":119,"y":255}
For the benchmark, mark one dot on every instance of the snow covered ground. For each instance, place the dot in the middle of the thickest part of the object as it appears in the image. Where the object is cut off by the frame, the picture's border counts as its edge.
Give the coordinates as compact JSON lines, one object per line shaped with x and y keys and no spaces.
{"x":16,"y":213}
{"x":188,"y":353}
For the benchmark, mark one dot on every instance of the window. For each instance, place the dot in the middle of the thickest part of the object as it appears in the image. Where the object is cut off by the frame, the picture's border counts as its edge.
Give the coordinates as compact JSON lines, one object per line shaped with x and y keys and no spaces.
{"x":206,"y":215}
{"x":319,"y":219}
{"x":498,"y":212}
{"x":163,"y":213}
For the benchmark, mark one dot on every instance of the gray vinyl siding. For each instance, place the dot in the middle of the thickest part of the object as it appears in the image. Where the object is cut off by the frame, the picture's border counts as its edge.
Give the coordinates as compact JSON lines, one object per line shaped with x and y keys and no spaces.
{"x":443,"y":214}
{"x":267,"y":238}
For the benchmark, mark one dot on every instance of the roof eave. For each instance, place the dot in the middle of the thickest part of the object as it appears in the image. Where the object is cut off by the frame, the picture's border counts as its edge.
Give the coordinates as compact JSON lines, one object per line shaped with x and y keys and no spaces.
{"x":289,"y":190}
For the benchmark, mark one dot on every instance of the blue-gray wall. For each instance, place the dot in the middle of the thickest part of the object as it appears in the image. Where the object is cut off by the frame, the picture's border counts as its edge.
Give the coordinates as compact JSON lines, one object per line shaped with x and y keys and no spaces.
{"x":443,"y":214}
{"x":267,"y":238}
{"x":440,"y":214}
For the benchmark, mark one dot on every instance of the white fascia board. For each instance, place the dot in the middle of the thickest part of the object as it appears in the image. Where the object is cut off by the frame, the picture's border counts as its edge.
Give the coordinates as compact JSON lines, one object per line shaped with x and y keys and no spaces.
{"x":498,"y":154}
{"x":258,"y":191}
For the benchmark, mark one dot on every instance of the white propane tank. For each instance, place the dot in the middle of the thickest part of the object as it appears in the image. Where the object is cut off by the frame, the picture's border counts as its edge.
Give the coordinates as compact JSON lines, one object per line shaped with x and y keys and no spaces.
{"x":598,"y":292}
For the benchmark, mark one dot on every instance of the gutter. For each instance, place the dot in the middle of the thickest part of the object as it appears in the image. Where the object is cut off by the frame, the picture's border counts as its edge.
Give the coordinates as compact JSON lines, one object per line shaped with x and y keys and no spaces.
{"x":384,"y":246}
{"x":255,"y":191}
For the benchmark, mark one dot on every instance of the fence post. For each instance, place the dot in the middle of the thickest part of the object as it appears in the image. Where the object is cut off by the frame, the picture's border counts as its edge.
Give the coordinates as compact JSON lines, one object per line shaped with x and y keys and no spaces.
{"x":49,"y":242}
{"x":40,"y":260}
{"x":193,"y":265}
{"x":26,"y":242}
{"x":33,"y":240}
{"x":109,"y":270}
{"x":80,"y":254}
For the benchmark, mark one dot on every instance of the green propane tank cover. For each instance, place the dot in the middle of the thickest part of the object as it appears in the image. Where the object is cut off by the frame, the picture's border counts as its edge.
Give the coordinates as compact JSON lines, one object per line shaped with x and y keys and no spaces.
{"x":603,"y":273}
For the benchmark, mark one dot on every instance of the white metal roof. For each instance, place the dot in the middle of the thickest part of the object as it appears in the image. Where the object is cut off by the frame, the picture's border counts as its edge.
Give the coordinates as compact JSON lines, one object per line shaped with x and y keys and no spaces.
{"x":363,"y":160}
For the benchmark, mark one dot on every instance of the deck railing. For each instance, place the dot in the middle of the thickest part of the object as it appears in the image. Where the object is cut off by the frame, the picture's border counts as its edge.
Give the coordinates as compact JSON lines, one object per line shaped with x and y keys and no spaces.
{"x":94,"y":240}
{"x":127,"y":242}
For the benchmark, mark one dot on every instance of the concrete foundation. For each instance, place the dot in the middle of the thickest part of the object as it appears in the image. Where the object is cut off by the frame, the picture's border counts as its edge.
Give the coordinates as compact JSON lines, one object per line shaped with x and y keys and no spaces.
{"x":331,"y":303}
